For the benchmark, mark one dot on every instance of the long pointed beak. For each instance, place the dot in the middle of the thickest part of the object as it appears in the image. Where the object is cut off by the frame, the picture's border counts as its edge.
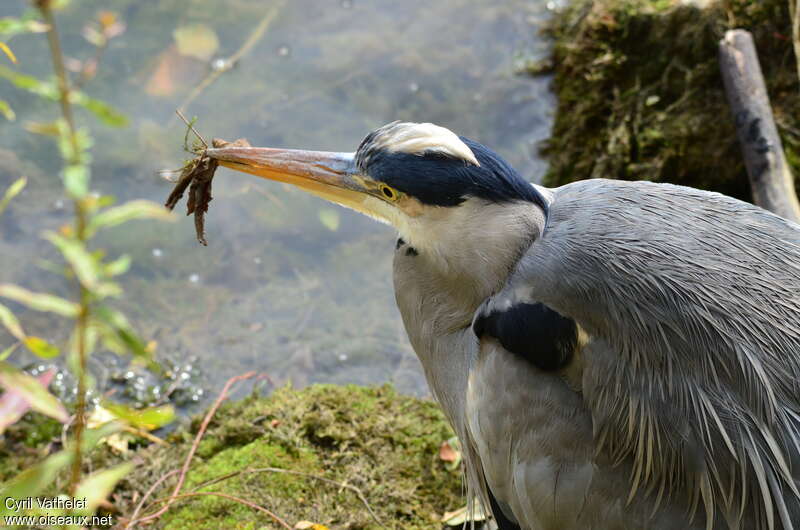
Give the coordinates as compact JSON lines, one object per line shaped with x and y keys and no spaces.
{"x":332,"y":176}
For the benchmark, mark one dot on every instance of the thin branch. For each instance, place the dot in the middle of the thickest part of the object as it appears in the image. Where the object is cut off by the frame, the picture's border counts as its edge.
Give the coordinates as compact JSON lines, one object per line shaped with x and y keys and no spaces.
{"x":191,"y":127}
{"x":231,"y":61}
{"x":344,"y":485}
{"x":185,"y":468}
{"x":229,"y":497}
{"x":147,"y":494}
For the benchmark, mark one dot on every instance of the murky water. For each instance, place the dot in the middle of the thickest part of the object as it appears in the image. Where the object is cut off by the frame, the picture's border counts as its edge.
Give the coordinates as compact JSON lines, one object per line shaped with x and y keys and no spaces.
{"x":289,"y":285}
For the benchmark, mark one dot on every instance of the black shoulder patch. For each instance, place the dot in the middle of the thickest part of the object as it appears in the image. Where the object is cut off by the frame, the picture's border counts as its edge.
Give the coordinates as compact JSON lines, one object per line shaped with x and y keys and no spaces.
{"x":532,"y":331}
{"x":400,"y":243}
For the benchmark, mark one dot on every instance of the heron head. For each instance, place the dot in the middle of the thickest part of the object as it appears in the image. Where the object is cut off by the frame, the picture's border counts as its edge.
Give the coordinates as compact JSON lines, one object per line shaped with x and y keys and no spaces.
{"x":418,"y":177}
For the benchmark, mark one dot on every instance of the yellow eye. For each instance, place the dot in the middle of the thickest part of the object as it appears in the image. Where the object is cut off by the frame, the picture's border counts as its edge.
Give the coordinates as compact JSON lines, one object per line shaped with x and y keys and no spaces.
{"x":389,"y":193}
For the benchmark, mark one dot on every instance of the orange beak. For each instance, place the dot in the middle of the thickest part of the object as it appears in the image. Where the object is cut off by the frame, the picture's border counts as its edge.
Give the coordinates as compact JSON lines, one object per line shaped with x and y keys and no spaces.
{"x":332,"y":176}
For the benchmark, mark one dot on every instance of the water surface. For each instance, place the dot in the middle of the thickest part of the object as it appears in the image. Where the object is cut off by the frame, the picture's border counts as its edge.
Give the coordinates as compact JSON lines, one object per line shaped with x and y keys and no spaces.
{"x":289,"y":285}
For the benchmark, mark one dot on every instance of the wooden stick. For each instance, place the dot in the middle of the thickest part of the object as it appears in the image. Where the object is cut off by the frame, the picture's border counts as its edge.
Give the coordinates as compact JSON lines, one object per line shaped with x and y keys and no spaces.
{"x":770,"y":177}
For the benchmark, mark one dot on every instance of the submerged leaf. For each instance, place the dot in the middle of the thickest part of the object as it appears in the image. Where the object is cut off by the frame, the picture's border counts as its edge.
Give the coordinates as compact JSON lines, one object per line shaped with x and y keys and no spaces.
{"x":329,"y":219}
{"x":39,"y":398}
{"x":196,"y":40}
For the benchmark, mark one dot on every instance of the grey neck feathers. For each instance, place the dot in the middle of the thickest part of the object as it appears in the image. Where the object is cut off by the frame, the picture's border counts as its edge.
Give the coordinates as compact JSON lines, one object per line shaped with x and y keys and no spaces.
{"x":464,"y":255}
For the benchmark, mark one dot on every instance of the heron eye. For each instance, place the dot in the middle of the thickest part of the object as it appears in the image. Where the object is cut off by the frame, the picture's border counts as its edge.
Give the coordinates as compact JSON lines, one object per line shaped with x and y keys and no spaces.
{"x":388,"y":192}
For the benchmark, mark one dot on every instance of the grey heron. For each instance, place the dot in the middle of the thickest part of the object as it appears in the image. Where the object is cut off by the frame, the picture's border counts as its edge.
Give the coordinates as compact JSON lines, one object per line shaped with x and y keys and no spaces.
{"x":610,"y":354}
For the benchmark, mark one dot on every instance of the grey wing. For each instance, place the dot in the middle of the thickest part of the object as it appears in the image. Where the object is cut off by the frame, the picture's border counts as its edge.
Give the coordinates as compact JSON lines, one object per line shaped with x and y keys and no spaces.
{"x":698,"y":297}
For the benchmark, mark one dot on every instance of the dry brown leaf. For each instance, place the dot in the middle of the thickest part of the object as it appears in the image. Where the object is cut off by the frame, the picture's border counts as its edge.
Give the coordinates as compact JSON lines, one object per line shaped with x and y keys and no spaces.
{"x":447,"y":453}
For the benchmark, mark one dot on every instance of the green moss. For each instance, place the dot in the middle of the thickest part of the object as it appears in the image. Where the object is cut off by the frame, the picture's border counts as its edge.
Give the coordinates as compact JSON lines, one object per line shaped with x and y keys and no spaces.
{"x":372,"y":438}
{"x":640,"y":95}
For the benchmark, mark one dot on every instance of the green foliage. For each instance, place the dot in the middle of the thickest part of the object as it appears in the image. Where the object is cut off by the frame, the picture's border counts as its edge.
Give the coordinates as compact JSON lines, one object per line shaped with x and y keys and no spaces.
{"x":40,"y":301}
{"x":640,"y":95}
{"x":27,"y":23}
{"x":94,"y":320}
{"x":149,"y":418}
{"x":16,"y":187}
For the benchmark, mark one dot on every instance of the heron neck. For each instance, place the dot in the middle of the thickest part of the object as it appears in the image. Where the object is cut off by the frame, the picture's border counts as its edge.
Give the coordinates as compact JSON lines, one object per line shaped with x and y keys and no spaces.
{"x":453,"y":268}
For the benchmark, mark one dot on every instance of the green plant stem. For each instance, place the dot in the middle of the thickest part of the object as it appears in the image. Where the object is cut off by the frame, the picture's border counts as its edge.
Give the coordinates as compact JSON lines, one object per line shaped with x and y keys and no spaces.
{"x":80,"y":232}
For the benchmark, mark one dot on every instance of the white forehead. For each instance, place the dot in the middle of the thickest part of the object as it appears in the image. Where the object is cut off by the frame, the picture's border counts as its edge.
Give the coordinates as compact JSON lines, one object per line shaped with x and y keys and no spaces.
{"x":421,"y":138}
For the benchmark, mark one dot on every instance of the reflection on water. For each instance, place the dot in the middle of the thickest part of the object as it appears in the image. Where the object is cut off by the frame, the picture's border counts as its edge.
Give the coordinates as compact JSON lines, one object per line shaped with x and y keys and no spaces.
{"x":289,"y":285}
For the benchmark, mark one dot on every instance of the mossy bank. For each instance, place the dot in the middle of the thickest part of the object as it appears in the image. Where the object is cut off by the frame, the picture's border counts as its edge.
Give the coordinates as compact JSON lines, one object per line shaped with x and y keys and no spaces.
{"x":326,"y":436}
{"x":640,"y":95}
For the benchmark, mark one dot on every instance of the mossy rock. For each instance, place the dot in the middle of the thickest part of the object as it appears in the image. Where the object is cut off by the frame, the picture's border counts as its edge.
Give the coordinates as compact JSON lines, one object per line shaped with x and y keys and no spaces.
{"x":640,"y":95}
{"x":372,"y":438}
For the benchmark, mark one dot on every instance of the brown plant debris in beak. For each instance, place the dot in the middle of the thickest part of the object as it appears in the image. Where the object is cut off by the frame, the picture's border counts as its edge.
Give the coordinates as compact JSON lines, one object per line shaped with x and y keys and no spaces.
{"x":197,"y":175}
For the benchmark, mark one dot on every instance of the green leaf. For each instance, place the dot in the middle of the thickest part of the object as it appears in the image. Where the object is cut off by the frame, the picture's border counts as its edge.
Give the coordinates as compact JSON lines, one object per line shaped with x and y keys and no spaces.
{"x":8,"y":351}
{"x":34,"y":480}
{"x":7,"y":111}
{"x":76,"y":180}
{"x":329,"y":219}
{"x":32,"y":390}
{"x":139,"y":209}
{"x":40,"y":301}
{"x":28,"y":23}
{"x":103,"y":111}
{"x":41,"y":347}
{"x":95,"y":488}
{"x":118,"y":266}
{"x":12,"y":191}
{"x":5,"y":49}
{"x":46,"y":89}
{"x":10,"y":321}
{"x":118,"y":334}
{"x":83,"y":264}
{"x":149,"y":418}
{"x":68,"y":148}
{"x":93,"y":436}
